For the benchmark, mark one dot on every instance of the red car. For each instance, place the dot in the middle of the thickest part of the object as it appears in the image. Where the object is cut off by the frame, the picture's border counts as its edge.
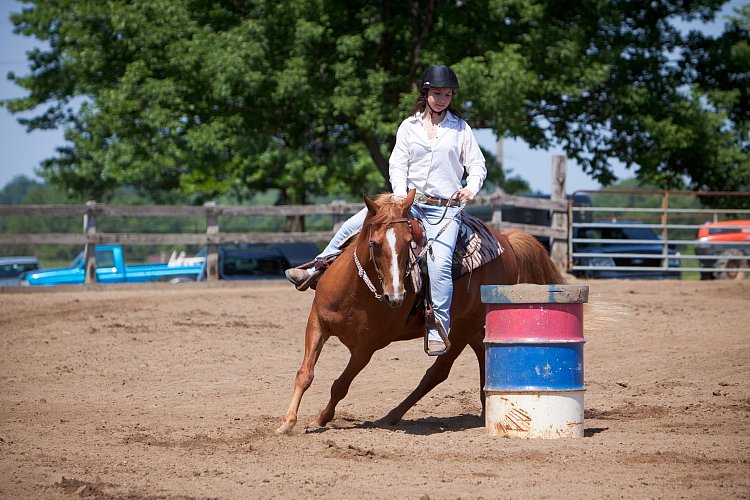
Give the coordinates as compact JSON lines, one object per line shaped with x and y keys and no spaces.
{"x":729,"y":241}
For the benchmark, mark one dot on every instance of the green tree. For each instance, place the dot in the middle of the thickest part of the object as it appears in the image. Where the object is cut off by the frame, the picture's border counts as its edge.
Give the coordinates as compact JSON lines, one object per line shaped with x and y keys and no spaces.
{"x":722,"y":66}
{"x":23,"y":191}
{"x":16,"y":190}
{"x":181,"y":98}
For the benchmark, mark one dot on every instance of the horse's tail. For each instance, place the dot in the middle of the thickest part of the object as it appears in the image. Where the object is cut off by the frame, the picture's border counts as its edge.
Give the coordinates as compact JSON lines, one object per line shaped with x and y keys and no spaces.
{"x":534,"y":264}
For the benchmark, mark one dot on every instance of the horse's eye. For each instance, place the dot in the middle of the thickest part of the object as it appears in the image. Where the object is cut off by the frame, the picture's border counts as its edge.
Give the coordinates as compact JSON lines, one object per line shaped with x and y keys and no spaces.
{"x":374,"y":244}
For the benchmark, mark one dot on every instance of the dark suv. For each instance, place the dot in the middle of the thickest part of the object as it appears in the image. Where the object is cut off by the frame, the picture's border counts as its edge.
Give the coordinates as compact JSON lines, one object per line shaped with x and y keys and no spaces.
{"x":254,"y":261}
{"x":622,"y":249}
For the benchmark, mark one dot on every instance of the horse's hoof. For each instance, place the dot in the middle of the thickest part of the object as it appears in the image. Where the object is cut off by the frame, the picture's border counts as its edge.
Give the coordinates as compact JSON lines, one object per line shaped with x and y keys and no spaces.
{"x":387,"y":421}
{"x":314,"y":426}
{"x":284,"y":429}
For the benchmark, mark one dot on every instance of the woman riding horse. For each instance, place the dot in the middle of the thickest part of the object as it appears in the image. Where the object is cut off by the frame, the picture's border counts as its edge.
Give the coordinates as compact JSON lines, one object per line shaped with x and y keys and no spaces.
{"x":433,"y":148}
{"x":346,"y":305}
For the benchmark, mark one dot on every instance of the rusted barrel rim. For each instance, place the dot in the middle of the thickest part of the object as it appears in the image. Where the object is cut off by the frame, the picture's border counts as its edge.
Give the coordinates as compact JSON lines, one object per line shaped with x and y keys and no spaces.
{"x":535,"y":294}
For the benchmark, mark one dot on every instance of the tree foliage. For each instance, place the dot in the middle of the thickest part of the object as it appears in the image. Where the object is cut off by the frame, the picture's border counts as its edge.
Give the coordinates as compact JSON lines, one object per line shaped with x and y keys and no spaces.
{"x":188,"y":98}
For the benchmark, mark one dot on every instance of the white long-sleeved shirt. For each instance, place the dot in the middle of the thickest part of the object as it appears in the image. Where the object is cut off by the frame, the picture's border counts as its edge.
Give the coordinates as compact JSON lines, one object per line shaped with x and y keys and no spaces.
{"x":435,"y":167}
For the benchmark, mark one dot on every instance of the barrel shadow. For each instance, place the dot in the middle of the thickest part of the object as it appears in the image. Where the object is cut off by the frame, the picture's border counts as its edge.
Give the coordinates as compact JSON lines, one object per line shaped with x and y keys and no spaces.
{"x":592,"y":431}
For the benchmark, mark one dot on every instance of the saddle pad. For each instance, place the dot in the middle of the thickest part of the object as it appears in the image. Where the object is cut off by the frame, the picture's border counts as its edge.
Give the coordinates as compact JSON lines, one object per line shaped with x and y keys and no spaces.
{"x":475,"y":246}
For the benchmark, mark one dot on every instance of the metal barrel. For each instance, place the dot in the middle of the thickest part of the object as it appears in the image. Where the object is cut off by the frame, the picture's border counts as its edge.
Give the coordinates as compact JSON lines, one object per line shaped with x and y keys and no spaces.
{"x":534,"y":360}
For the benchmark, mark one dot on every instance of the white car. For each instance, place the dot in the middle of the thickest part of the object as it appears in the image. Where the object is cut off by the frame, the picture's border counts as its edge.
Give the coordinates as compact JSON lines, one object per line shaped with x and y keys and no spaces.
{"x":11,"y":268}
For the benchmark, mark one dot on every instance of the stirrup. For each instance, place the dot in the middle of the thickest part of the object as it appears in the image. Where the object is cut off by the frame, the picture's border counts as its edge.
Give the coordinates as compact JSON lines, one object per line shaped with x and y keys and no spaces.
{"x":431,"y":352}
{"x":431,"y":322}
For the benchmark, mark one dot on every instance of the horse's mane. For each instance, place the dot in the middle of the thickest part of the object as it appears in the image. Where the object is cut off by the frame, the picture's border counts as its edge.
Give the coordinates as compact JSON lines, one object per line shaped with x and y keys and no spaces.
{"x":389,"y":208}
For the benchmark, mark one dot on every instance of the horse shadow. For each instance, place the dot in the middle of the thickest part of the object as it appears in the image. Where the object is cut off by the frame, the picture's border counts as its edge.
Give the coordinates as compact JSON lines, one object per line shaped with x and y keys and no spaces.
{"x":427,"y":426}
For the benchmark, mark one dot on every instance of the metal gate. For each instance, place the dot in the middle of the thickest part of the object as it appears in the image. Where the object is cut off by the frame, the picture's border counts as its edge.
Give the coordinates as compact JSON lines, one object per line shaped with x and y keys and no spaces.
{"x":664,"y":234}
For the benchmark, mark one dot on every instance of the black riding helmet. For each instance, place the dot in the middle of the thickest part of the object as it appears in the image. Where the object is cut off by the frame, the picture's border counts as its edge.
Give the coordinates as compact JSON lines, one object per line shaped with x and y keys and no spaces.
{"x":438,"y":77}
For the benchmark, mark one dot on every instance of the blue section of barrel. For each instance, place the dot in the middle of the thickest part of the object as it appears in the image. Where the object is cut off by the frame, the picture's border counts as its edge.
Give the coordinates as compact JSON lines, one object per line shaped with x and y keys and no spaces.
{"x":535,"y":367}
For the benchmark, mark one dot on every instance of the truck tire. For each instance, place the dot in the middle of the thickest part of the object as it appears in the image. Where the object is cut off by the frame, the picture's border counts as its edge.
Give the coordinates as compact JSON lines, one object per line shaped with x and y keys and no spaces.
{"x":707,"y":275}
{"x":182,"y":279}
{"x":728,"y":259}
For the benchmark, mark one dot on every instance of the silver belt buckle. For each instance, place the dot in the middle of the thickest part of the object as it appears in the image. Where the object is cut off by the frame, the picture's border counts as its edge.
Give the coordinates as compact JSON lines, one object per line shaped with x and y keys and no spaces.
{"x":422,"y":198}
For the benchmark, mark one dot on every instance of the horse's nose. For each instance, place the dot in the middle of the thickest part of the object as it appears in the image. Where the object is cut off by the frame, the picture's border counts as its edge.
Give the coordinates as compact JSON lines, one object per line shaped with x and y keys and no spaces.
{"x":394,"y":300}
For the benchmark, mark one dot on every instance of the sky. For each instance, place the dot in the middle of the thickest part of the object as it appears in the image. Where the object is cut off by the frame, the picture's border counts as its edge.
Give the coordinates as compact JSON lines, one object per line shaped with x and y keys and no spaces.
{"x":21,"y":152}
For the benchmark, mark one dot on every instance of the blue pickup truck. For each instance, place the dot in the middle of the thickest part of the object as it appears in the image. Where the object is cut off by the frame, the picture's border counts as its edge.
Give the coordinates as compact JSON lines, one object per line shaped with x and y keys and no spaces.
{"x":252,"y":261}
{"x":111,"y":268}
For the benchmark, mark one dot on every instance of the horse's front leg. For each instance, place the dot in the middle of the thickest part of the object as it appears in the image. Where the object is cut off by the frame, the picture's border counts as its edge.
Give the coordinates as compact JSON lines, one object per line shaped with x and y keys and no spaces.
{"x":314,"y":341}
{"x":360,"y":356}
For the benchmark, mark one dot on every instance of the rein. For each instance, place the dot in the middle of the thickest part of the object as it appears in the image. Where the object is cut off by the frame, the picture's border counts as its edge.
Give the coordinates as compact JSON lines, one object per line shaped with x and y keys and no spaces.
{"x":428,"y":246}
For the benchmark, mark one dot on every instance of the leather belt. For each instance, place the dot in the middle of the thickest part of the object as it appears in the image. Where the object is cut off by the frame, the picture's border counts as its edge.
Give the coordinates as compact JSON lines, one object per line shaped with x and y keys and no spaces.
{"x":432,"y":200}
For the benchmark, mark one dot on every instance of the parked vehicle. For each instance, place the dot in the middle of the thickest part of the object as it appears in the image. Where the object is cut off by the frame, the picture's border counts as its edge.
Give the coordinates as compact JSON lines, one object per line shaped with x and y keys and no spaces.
{"x":112,"y":268}
{"x":297,"y":253}
{"x":11,"y":268}
{"x":729,"y":241}
{"x":533,"y":216}
{"x":620,"y":250}
{"x":236,"y":262}
{"x":248,"y":262}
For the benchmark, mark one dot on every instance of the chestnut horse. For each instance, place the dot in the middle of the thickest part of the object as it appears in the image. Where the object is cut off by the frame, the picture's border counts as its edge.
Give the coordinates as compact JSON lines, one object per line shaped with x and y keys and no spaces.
{"x":365,"y":321}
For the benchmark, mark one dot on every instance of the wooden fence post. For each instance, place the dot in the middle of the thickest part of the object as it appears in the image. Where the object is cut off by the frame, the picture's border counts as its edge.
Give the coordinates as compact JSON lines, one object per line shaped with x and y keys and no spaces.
{"x":338,"y":217}
{"x":212,"y":231}
{"x":559,"y":247}
{"x":89,"y":250}
{"x":497,"y":210}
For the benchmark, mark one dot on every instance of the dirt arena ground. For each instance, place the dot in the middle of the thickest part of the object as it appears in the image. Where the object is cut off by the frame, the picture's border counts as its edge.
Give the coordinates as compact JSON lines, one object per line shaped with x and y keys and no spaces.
{"x":172,"y":391}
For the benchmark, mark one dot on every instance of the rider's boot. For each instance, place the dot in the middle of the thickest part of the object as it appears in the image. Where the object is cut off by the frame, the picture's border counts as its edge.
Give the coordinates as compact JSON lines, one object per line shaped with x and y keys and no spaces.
{"x":296,"y":276}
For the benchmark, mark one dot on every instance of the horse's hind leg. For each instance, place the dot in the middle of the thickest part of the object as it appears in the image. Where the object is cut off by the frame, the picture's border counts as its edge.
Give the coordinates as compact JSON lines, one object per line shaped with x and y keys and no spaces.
{"x":360,"y":356}
{"x":314,"y":341}
{"x":477,"y":345}
{"x":434,"y":375}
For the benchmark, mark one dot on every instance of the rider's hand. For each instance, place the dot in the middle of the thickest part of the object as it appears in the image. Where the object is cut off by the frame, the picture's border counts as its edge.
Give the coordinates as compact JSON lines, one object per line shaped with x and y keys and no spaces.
{"x":465,"y":196}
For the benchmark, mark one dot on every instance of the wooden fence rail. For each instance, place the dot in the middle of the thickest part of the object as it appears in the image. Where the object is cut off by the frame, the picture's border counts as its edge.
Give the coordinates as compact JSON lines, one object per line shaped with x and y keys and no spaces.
{"x":213,"y":237}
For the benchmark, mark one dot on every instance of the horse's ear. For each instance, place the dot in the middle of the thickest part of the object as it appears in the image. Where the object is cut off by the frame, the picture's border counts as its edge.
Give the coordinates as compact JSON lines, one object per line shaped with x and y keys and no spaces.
{"x":410,"y":197}
{"x":371,"y":206}
{"x":408,"y":201}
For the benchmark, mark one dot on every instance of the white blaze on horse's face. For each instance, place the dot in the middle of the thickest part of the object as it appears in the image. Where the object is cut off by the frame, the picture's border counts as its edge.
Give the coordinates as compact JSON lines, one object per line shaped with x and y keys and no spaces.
{"x":397,"y":294}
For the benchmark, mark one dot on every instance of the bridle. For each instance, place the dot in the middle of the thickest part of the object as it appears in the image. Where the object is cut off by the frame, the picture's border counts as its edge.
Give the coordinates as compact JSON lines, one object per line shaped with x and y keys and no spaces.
{"x":418,"y":249}
{"x":370,"y":244}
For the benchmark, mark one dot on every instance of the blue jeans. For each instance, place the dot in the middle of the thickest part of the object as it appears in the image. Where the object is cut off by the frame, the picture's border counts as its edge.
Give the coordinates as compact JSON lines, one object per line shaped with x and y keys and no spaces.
{"x":349,"y":227}
{"x":439,"y":259}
